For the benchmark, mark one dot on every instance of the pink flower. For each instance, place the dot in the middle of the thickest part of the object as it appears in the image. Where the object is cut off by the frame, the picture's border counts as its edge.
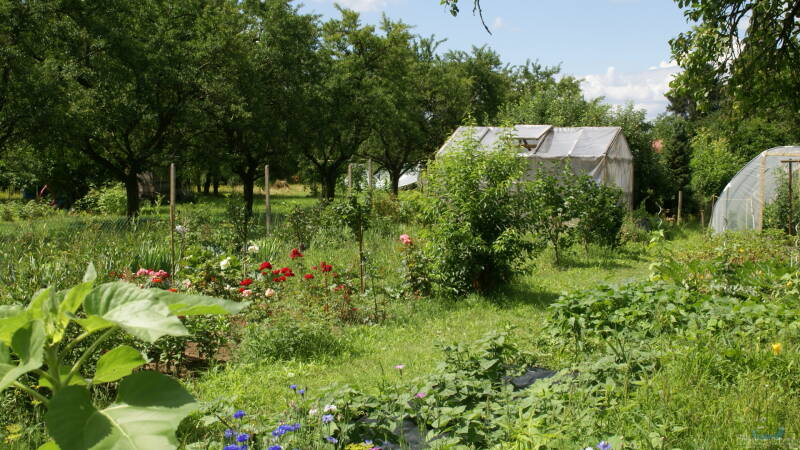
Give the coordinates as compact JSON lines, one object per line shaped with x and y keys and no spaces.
{"x":405,"y":239}
{"x":142,"y":272}
{"x":269,"y":293}
{"x":420,"y":395}
{"x":400,"y":366}
{"x":247,"y":293}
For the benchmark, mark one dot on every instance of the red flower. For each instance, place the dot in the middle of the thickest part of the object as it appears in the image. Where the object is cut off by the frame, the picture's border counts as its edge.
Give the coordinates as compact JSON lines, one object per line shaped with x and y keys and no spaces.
{"x":276,"y":271}
{"x":326,"y":267}
{"x":308,"y":276}
{"x":246,"y":282}
{"x":265,"y":265}
{"x":285,"y":270}
{"x":283,"y":278}
{"x":313,"y":267}
{"x":156,"y":280}
{"x":172,"y":290}
{"x":290,"y":274}
{"x":241,"y":290}
{"x":277,"y":280}
{"x":339,"y":287}
{"x":295,"y":254}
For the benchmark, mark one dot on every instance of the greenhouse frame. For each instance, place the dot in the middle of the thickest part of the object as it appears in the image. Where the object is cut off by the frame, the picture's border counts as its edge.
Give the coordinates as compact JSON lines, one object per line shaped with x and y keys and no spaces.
{"x":600,"y":152}
{"x":741,"y":204}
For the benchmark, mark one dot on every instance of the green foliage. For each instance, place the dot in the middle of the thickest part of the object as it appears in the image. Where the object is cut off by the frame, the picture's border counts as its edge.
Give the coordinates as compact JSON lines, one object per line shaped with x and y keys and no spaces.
{"x":303,"y":223}
{"x":712,"y":164}
{"x":600,"y":212}
{"x":109,"y":200}
{"x":149,"y":405}
{"x":474,"y":209}
{"x":776,"y":213}
{"x":284,"y":338}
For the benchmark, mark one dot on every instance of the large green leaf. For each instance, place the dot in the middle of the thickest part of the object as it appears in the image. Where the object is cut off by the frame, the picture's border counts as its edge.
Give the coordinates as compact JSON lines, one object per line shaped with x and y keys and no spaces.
{"x":68,"y":302}
{"x":133,"y":309}
{"x":192,"y":305}
{"x":148,"y":410}
{"x":117,"y":363}
{"x":12,"y":318}
{"x":28,"y":343}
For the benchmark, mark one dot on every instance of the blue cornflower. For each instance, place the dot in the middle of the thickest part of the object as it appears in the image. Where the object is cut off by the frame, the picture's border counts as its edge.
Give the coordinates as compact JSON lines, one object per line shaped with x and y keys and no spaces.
{"x":295,"y":427}
{"x":327,"y":418}
{"x":229,"y":433}
{"x":275,"y":447}
{"x":231,"y":447}
{"x":243,"y":447}
{"x":368,"y":442}
{"x":332,"y":439}
{"x":242,"y":437}
{"x":301,"y":391}
{"x":238,"y":414}
{"x":293,"y":387}
{"x":603,"y":445}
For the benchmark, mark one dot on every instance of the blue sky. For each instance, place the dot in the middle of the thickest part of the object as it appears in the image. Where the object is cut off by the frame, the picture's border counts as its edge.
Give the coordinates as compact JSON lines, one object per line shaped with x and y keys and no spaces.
{"x":619,"y":47}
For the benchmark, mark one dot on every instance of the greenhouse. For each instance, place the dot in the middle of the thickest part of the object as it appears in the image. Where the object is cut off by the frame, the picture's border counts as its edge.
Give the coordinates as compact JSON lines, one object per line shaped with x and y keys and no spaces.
{"x":601,"y":152}
{"x":742,"y":203}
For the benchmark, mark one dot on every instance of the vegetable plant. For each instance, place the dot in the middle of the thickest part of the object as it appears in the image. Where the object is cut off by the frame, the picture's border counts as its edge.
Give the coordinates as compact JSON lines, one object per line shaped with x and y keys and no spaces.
{"x":34,"y":357}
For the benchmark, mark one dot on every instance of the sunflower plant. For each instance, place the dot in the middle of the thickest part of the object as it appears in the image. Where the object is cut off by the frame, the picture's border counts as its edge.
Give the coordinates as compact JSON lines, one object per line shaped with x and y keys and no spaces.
{"x":34,"y":359}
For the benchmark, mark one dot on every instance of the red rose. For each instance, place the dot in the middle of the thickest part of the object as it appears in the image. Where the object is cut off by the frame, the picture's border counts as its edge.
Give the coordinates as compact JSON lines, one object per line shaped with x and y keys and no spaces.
{"x":295,"y":254}
{"x":283,"y":278}
{"x":241,"y":290}
{"x":277,"y":280}
{"x":265,"y":265}
{"x":156,"y":280}
{"x":172,"y":290}
{"x":246,"y":282}
{"x":308,"y":276}
{"x":326,"y":267}
{"x":276,"y":271}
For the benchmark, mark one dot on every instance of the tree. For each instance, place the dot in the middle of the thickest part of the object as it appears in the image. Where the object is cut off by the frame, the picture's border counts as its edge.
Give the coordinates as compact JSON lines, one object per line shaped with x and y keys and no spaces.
{"x":342,"y":99}
{"x":127,"y":73}
{"x":422,"y":99}
{"x":748,"y":49}
{"x":490,"y":78}
{"x":249,"y":101}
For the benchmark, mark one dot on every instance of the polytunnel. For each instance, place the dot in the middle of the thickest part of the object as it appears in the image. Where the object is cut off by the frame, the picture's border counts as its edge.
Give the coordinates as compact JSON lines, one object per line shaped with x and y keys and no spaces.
{"x":741,"y":204}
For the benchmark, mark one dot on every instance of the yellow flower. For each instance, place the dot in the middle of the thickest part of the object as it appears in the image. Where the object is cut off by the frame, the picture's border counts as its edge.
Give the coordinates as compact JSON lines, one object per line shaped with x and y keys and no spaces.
{"x":777,"y":348}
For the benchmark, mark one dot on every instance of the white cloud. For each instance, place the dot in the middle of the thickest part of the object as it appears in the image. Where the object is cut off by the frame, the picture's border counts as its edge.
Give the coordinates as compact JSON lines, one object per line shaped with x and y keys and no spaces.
{"x":645,"y":89}
{"x":498,"y":23}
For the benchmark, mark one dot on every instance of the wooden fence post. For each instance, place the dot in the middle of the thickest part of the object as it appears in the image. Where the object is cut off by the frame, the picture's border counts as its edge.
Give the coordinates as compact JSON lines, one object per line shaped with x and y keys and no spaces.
{"x":680,"y":205}
{"x":350,"y":179}
{"x":268,"y":209}
{"x":172,"y":217}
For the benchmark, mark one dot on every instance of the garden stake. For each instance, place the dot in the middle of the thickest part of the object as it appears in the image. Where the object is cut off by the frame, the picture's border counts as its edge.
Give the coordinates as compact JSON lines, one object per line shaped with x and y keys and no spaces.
{"x":350,"y":179}
{"x":266,"y":198}
{"x":791,"y":205}
{"x":172,"y":217}
{"x":680,"y":205}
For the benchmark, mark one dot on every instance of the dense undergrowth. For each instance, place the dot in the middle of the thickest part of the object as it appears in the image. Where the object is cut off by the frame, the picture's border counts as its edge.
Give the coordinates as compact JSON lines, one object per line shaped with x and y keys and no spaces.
{"x":682,"y":343}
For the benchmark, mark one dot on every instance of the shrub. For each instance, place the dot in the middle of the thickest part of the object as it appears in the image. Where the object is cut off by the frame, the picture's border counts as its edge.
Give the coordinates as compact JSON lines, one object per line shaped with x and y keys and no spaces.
{"x":284,"y":338}
{"x":302,"y":223}
{"x":111,"y":200}
{"x":600,"y":212}
{"x":474,"y":210}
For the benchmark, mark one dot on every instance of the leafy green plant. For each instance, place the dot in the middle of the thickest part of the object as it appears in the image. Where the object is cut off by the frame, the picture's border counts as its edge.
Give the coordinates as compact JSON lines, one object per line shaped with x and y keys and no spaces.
{"x":475,"y":211}
{"x":149,"y":406}
{"x":110,"y":200}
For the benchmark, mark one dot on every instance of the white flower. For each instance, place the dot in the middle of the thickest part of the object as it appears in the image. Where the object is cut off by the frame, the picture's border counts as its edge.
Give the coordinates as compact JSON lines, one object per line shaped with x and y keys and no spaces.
{"x":180,"y":229}
{"x":312,"y":412}
{"x":247,"y":293}
{"x":269,"y":292}
{"x":187,"y":283}
{"x":225,"y":263}
{"x":329,"y":408}
{"x":253,"y":248}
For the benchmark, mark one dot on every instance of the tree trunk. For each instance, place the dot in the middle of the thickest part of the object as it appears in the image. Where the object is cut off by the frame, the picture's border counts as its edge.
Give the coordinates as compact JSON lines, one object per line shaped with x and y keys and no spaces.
{"x":132,"y":192}
{"x":328,"y":180}
{"x":207,"y":185}
{"x":248,"y":180}
{"x":216,"y":185}
{"x":394,"y":182}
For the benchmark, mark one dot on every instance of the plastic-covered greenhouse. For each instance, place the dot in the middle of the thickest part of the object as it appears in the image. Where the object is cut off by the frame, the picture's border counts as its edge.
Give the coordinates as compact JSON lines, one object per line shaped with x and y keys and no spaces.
{"x":741,"y":204}
{"x":601,"y":152}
